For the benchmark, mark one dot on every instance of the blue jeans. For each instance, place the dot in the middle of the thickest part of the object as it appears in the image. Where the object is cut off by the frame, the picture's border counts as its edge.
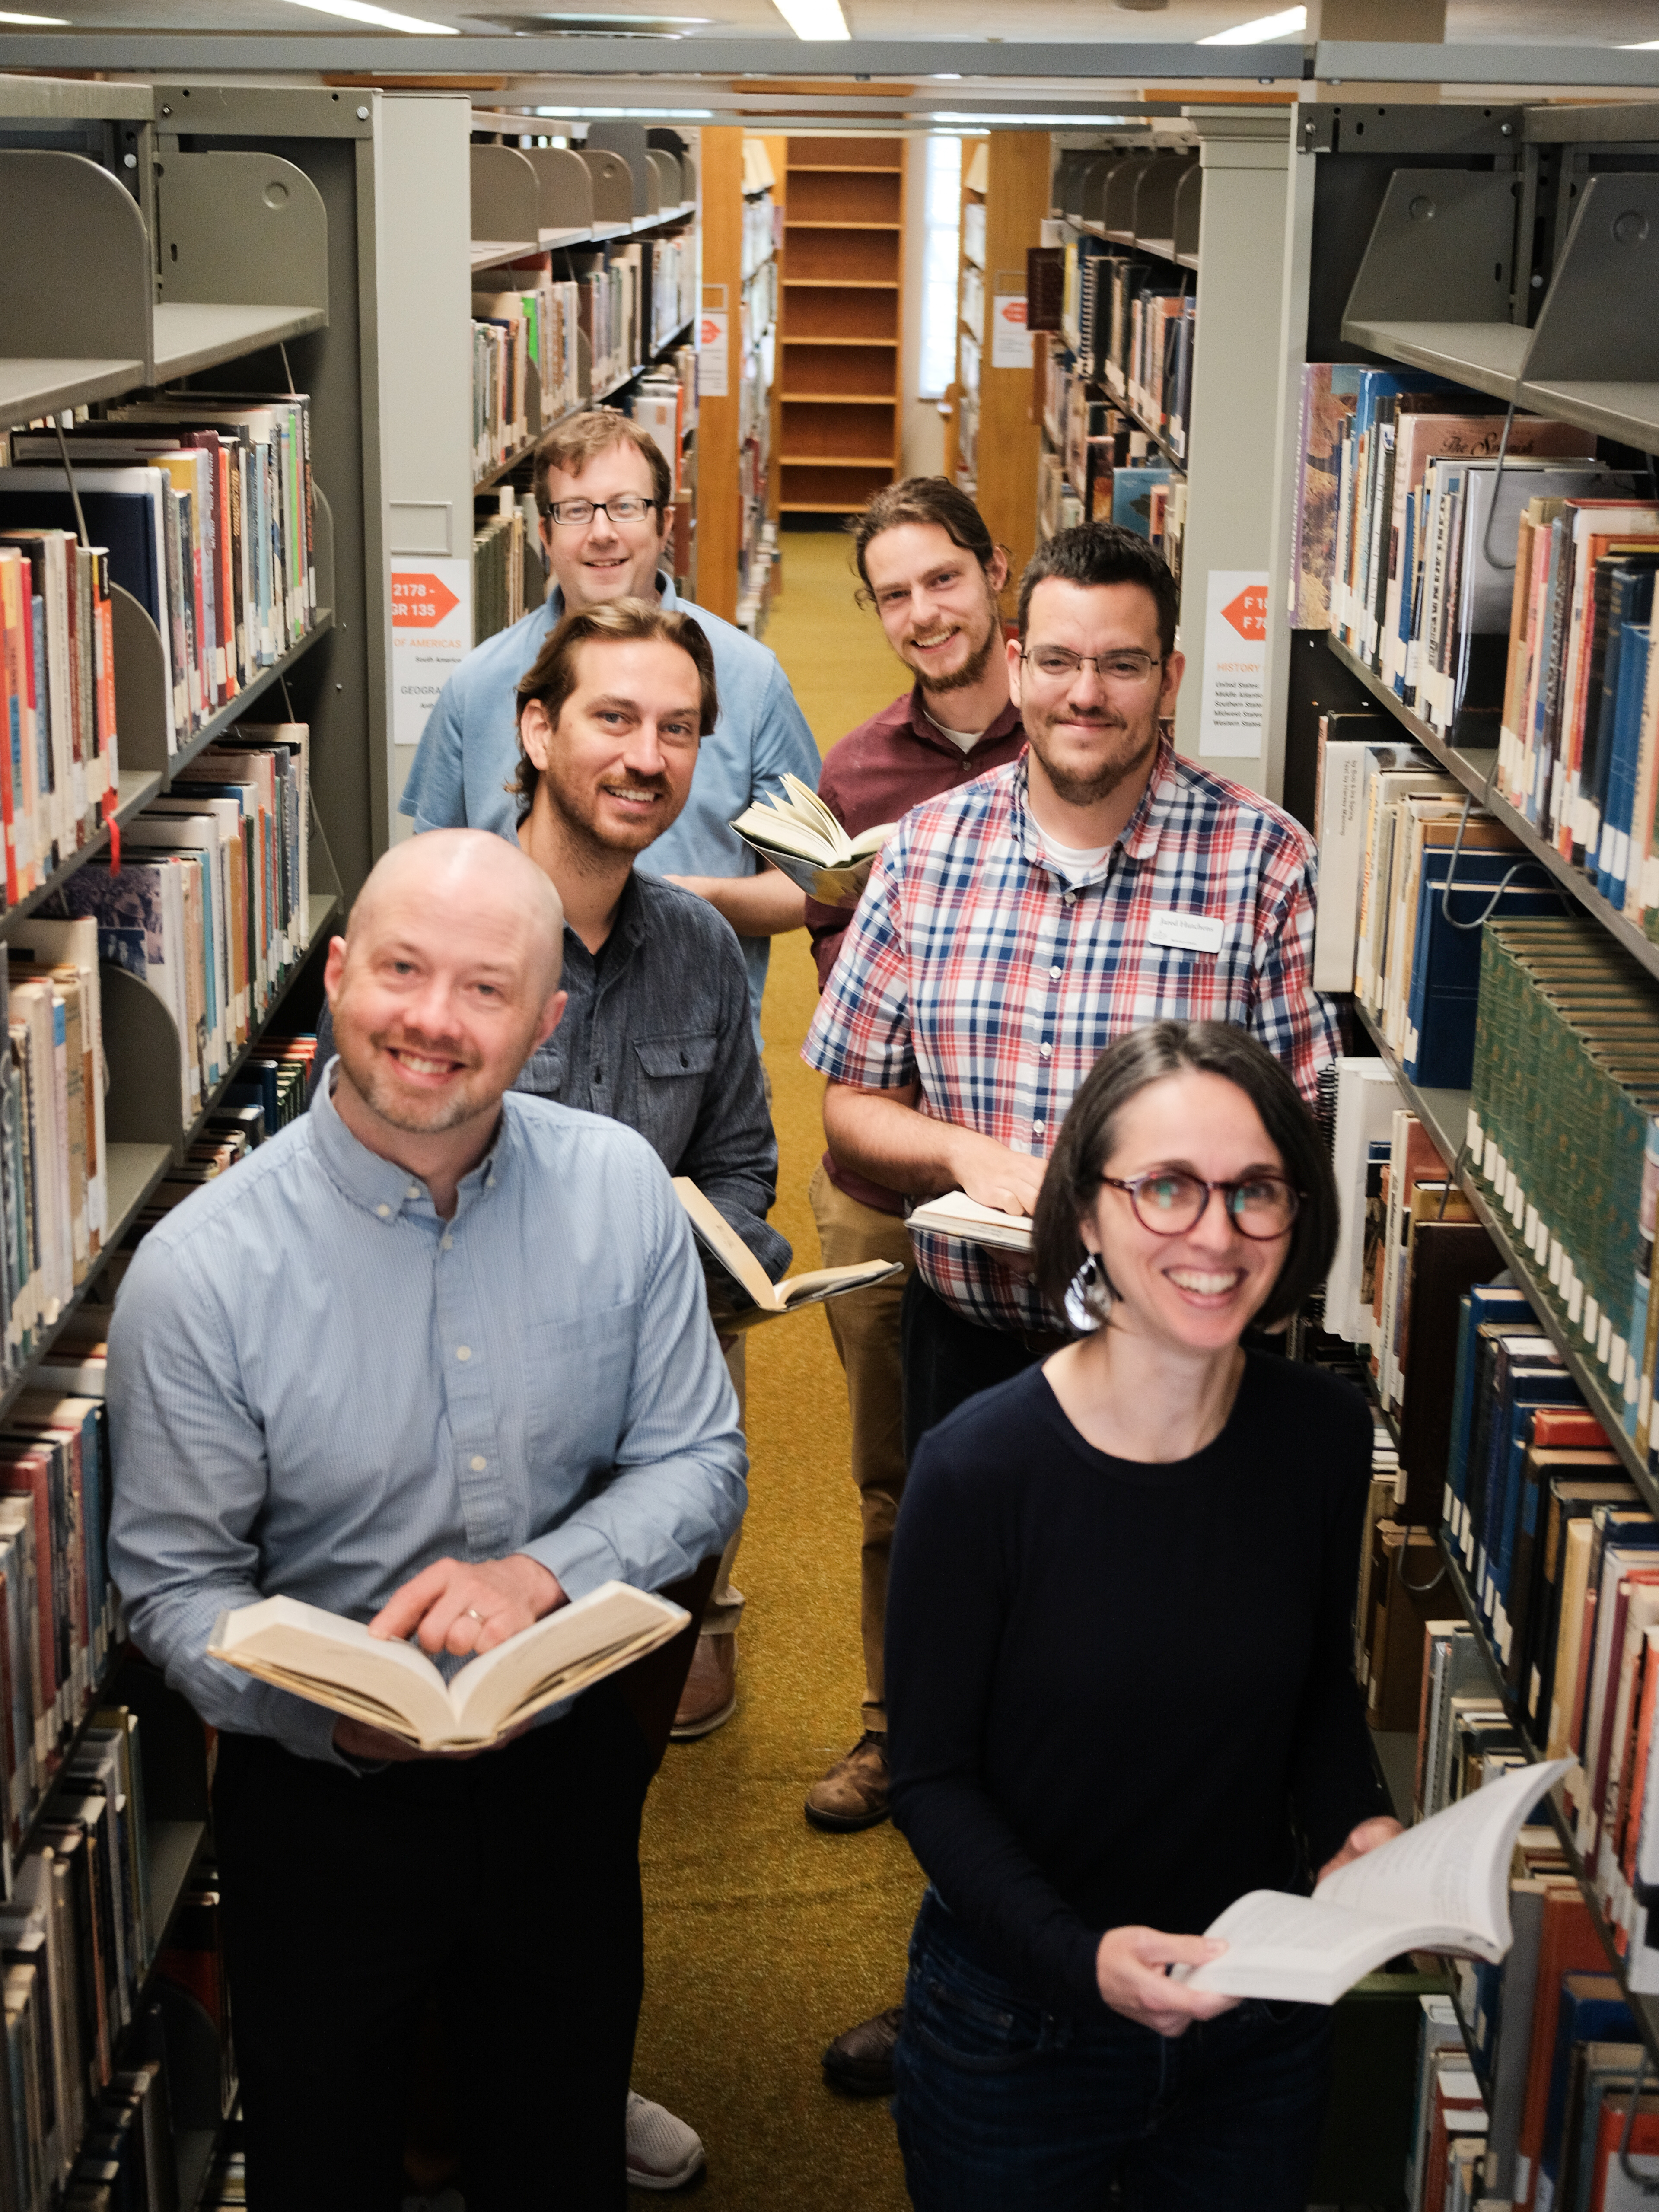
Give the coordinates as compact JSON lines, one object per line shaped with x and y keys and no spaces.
{"x":1004,"y":2108}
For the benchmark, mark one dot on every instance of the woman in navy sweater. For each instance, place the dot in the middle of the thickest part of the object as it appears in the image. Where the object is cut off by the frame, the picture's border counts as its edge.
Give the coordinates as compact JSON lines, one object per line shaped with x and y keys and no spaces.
{"x":1120,"y":1668}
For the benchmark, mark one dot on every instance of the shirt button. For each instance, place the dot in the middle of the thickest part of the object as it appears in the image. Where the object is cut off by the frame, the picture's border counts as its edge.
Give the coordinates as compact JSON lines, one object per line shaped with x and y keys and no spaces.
{"x":447,"y":1242}
{"x":1046,"y":1050}
{"x":385,"y":1213}
{"x":414,"y":1191}
{"x":1071,"y":898}
{"x":1053,"y":971}
{"x":464,"y":1351}
{"x":479,"y":1462}
{"x":1039,"y":1125}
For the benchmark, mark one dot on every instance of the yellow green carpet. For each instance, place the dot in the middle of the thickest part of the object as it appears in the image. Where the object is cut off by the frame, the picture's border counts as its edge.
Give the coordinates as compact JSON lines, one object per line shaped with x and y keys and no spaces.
{"x":764,"y":1938}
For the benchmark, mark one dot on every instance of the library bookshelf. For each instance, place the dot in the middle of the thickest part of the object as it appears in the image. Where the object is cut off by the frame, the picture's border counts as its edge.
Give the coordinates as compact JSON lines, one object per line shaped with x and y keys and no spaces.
{"x":841,"y":286}
{"x":1526,"y":292}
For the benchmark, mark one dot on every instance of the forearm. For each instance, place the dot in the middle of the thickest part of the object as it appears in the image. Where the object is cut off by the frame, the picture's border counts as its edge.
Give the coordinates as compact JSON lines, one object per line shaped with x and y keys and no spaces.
{"x":172,"y":1629}
{"x":763,"y":905}
{"x":883,"y":1135}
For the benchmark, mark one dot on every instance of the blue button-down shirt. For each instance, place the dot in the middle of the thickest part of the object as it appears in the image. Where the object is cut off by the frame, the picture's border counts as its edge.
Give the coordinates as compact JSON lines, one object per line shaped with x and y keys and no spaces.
{"x":469,"y":753}
{"x":317,"y":1387}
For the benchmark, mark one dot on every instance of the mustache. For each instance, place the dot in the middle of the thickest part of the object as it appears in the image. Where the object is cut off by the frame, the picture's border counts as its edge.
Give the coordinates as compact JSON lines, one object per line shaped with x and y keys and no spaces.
{"x":424,"y":1047}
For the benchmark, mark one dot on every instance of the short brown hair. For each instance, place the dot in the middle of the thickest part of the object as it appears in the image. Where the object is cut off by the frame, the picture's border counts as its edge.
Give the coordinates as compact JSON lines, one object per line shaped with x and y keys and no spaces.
{"x":924,"y":499}
{"x":1090,"y":1132}
{"x":621,"y":621}
{"x":1091,"y":553}
{"x":569,"y":447}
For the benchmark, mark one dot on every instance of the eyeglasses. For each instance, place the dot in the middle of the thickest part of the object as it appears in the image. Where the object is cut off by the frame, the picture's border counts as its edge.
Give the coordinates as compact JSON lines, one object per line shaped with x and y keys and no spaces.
{"x":1129,"y":671}
{"x":630,"y":507}
{"x":1169,"y":1202}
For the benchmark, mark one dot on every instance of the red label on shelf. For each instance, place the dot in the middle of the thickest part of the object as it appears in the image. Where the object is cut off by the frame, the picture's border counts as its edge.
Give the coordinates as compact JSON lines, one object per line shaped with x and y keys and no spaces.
{"x":419,"y":601}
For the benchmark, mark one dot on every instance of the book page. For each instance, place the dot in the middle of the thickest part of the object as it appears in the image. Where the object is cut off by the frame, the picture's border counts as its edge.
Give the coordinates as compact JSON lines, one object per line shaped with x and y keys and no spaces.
{"x":1280,"y":1946}
{"x":955,"y":1214}
{"x":561,"y":1653}
{"x":329,"y":1659}
{"x":1452,"y":1871}
{"x":716,"y":1232}
{"x":821,"y":1282}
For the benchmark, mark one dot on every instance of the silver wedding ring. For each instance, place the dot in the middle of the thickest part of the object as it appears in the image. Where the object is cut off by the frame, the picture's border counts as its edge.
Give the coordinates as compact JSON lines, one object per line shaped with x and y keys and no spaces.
{"x":473,"y":1614}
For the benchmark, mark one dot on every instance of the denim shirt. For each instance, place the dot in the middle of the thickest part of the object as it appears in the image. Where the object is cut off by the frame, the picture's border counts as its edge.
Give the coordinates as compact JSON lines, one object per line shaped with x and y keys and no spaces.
{"x":656,"y":1034}
{"x":469,"y":753}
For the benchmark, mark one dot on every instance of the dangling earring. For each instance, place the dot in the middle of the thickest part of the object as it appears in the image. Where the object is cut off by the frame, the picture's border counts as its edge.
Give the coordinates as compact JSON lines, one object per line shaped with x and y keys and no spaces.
{"x":1088,"y":1297}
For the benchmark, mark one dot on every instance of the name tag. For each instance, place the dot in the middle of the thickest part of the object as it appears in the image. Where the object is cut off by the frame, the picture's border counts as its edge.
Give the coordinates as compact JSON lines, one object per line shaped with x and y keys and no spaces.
{"x":1193,"y":932}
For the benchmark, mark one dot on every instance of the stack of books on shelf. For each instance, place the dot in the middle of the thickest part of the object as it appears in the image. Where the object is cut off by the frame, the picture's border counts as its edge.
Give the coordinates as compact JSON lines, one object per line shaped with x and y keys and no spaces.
{"x":1407,"y":529}
{"x":205,"y":506}
{"x":1102,"y":466}
{"x":669,"y":283}
{"x":210,"y":908}
{"x":507,"y":561}
{"x":54,"y":1187}
{"x":607,"y":309}
{"x":57,"y":773}
{"x":1578,"y":748}
{"x":526,"y":367}
{"x":1564,"y":1091}
{"x":665,"y":403}
{"x":1410,"y":869}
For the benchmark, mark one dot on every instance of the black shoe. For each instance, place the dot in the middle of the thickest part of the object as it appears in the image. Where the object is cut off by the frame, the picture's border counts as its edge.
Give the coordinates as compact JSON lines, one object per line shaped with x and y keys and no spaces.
{"x":860,"y":2063}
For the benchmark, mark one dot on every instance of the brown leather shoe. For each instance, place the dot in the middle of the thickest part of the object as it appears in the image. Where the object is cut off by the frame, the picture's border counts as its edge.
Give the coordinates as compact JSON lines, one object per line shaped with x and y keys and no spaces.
{"x":710,"y":1695}
{"x":853,"y":1794}
{"x":860,"y":2063}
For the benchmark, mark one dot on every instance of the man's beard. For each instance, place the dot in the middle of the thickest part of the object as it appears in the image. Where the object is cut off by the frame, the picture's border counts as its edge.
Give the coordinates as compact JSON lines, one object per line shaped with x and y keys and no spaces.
{"x":375,"y":1089}
{"x":977,"y":662}
{"x":578,"y":818}
{"x":1138,"y":745}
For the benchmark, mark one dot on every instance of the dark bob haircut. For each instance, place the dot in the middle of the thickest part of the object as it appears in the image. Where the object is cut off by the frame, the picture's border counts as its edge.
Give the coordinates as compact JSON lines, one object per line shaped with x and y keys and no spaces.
{"x":1091,"y":553}
{"x":1089,"y":1134}
{"x":615,"y":622}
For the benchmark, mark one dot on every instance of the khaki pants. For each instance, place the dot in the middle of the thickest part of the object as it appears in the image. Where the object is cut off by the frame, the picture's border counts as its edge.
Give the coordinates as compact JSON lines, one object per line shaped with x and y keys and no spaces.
{"x":866,"y":1327}
{"x":724,"y":1610}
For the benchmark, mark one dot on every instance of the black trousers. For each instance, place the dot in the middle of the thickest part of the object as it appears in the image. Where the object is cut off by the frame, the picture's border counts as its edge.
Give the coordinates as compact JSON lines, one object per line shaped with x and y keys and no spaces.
{"x":506,"y":1885}
{"x":946,"y":1359}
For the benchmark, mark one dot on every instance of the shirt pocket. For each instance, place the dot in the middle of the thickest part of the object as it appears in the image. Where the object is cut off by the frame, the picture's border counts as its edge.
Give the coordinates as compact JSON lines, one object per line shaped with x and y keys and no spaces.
{"x":577,"y":1375}
{"x":666,"y":1059}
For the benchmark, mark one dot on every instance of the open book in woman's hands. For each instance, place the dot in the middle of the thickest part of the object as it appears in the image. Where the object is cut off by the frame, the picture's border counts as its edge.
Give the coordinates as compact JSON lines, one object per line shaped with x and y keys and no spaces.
{"x":333,"y":1662}
{"x":1442,"y":1886}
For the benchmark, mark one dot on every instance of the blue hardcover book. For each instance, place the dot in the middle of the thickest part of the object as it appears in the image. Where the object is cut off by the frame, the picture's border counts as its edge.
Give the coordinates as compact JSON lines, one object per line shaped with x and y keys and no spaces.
{"x":1635,"y":650}
{"x":1526,"y":1372}
{"x":1592,"y":2011}
{"x":1628,"y":586}
{"x":1132,"y":496}
{"x":1487,"y":1301}
{"x":1554,"y":1390}
{"x":1445,"y":984}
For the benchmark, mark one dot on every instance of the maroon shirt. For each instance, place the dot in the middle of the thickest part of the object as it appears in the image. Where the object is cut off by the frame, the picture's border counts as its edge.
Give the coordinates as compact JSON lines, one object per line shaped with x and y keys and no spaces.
{"x":876,"y":772}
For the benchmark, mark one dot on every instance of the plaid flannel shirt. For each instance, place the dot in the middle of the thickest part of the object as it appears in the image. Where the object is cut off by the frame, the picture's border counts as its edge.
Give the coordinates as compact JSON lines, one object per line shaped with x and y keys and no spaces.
{"x":974,"y":971}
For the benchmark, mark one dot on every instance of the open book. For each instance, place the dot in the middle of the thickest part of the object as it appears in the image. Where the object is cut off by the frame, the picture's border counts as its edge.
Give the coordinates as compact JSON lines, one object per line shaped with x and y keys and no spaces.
{"x":1442,"y":1885}
{"x":335,"y":1662}
{"x":955,"y":1214}
{"x":747,"y":1278}
{"x":799,"y":835}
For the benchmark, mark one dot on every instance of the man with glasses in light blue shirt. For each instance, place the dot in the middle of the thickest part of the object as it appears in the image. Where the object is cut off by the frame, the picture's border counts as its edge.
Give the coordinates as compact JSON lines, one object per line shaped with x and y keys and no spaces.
{"x":437,"y":1357}
{"x":605,"y":494}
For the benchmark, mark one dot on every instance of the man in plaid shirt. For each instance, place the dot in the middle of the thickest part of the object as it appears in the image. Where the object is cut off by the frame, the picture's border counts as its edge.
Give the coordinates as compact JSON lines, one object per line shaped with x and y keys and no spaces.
{"x":1013,"y":927}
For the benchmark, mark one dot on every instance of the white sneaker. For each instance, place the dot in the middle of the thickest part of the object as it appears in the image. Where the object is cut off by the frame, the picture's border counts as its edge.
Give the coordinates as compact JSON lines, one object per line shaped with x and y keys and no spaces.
{"x":663,"y":2153}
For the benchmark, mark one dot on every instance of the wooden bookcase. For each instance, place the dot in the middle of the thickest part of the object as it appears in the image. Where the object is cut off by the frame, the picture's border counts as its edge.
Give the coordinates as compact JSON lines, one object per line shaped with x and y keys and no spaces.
{"x":993,"y":436}
{"x":840,"y":386}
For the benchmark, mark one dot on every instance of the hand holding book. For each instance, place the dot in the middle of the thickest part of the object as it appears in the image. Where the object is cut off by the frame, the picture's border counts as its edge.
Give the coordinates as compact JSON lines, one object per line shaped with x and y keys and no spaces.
{"x":799,"y":835}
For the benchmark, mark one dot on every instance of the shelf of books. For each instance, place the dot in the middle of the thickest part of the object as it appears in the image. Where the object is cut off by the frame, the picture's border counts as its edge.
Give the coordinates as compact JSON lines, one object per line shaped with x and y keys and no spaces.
{"x":167,"y":580}
{"x":760,"y":402}
{"x":583,"y":275}
{"x":1118,"y":376}
{"x":1472,"y":585}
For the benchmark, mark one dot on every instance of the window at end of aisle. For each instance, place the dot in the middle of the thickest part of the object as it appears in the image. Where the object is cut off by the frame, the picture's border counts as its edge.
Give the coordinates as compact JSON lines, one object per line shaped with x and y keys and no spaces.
{"x":942,"y":214}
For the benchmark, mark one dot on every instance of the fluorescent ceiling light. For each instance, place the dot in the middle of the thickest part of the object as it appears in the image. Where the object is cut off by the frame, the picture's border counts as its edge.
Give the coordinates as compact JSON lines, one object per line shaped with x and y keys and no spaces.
{"x":814,"y":19}
{"x":1638,"y":46}
{"x":359,"y":11}
{"x":6,"y":16}
{"x":1264,"y":26}
{"x":612,"y":114}
{"x":1020,"y":116}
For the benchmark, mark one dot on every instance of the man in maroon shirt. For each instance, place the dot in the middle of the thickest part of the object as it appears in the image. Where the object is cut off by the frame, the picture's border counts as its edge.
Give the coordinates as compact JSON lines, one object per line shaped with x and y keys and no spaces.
{"x":933,"y":574}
